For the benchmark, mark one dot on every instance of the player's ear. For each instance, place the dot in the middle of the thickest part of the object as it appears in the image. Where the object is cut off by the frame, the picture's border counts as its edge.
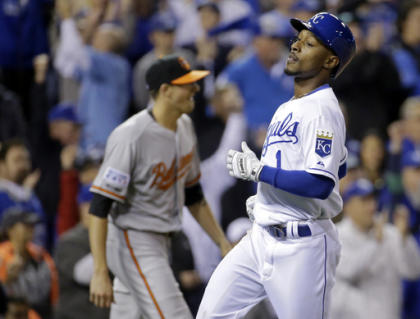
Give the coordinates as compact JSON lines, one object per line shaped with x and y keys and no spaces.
{"x":331,"y":62}
{"x":164,"y":89}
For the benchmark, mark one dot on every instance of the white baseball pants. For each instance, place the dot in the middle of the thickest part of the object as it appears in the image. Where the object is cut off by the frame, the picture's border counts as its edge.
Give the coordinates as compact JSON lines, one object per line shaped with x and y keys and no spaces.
{"x":295,"y":274}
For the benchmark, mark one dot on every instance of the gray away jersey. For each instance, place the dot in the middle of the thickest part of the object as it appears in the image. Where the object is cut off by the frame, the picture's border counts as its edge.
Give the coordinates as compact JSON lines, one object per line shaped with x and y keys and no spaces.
{"x":146,"y":170}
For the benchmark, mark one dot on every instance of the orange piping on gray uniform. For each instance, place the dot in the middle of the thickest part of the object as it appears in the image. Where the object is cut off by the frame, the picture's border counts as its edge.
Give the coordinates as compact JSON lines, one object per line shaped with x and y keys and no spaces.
{"x":142,"y":275}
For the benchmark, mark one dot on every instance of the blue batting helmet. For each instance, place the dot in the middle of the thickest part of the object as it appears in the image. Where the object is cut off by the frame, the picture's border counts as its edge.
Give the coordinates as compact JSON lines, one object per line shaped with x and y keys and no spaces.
{"x":333,"y":33}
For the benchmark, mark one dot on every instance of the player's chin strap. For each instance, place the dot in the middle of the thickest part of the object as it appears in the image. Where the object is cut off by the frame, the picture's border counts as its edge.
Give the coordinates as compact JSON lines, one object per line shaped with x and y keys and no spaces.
{"x":244,"y":165}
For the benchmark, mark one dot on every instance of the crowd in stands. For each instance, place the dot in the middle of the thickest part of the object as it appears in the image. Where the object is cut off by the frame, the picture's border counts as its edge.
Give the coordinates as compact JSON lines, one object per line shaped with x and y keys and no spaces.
{"x":73,"y":70}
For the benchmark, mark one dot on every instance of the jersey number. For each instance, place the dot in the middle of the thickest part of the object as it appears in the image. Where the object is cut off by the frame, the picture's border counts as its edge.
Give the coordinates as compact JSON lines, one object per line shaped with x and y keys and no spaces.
{"x":278,"y":156}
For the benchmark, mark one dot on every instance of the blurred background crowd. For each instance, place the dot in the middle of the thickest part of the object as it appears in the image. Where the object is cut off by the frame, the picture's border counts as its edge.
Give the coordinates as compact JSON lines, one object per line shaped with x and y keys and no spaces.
{"x":72,"y":70}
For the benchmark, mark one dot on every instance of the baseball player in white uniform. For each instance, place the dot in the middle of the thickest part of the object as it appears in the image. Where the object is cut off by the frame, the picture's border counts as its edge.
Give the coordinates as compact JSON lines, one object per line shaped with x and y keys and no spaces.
{"x":150,"y":170}
{"x":292,"y":250}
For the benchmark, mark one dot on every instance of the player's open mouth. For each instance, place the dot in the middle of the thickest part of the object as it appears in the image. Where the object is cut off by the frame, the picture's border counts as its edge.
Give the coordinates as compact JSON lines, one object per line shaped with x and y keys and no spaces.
{"x":292,"y":58}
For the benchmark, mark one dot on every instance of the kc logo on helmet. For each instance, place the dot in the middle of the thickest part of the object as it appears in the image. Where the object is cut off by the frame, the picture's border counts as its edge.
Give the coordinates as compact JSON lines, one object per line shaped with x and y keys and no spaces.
{"x":317,"y":18}
{"x":323,"y":143}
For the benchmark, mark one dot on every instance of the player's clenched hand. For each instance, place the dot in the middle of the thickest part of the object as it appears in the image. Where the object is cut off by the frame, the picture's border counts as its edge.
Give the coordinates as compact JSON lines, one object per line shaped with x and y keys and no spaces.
{"x":101,"y":289}
{"x":244,"y":165}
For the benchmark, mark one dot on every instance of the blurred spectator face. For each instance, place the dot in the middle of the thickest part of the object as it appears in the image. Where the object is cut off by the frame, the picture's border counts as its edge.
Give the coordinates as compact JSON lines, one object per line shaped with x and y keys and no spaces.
{"x":372,"y":152}
{"x":304,"y":9}
{"x":411,"y":119}
{"x":108,"y":38}
{"x":162,"y":33}
{"x":358,"y":35}
{"x":144,"y":8}
{"x":226,"y":100}
{"x":361,"y":210}
{"x":101,"y":41}
{"x":411,"y":27}
{"x":209,"y":18}
{"x":375,"y":37}
{"x":17,"y":310}
{"x":351,"y":176}
{"x":88,"y":173}
{"x":21,"y":232}
{"x":283,"y":5}
{"x":163,"y":41}
{"x":268,"y":49}
{"x":16,"y":165}
{"x":66,"y":132}
{"x":303,"y":14}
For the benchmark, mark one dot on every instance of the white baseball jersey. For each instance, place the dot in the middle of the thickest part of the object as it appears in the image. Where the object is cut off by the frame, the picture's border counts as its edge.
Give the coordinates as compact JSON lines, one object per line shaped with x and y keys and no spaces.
{"x":305,"y":134}
{"x":145,"y":170}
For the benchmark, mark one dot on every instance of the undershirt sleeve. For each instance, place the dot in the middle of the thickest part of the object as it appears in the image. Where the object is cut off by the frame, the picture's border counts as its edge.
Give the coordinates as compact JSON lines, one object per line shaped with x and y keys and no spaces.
{"x":299,"y":183}
{"x":100,"y":205}
{"x":193,"y":194}
{"x":342,"y":170}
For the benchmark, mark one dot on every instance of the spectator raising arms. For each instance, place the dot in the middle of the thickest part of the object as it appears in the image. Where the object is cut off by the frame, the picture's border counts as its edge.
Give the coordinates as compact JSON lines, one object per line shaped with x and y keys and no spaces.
{"x":103,"y":73}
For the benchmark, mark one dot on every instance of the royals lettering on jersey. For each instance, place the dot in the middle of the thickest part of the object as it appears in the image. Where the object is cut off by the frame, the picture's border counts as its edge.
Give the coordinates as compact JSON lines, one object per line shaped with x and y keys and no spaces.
{"x":283,"y":131}
{"x":305,"y":134}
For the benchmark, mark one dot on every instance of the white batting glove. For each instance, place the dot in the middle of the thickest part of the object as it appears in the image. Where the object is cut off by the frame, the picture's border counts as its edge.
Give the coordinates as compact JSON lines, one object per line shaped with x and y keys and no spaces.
{"x":244,"y":165}
{"x":250,"y":203}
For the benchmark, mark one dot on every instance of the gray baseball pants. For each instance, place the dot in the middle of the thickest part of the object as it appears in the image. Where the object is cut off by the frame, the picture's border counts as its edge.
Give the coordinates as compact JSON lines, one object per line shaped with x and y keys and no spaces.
{"x":145,"y":286}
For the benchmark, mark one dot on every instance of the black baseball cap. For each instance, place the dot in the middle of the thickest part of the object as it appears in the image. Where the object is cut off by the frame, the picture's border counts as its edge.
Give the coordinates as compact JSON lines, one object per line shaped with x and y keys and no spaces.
{"x":16,"y":215}
{"x":172,"y":69}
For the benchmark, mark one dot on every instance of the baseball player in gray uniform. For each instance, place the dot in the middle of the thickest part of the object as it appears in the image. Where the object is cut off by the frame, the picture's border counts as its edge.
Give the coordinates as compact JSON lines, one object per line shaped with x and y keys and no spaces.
{"x":150,"y":171}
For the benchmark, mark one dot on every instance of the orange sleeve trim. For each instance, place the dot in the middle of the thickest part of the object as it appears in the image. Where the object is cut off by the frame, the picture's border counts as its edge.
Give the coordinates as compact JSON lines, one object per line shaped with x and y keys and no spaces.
{"x":194,"y":181}
{"x":142,"y":275}
{"x":108,"y":192}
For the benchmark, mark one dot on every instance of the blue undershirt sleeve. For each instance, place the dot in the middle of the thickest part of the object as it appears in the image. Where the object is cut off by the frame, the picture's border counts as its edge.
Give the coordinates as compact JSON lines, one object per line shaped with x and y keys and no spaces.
{"x":299,"y":183}
{"x":342,"y":170}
